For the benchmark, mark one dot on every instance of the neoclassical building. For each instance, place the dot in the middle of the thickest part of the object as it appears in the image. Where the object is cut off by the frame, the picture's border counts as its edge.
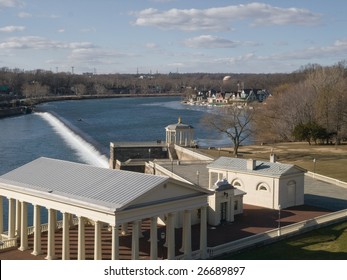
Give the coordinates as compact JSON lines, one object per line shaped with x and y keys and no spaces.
{"x":267,"y":184}
{"x":103,"y":198}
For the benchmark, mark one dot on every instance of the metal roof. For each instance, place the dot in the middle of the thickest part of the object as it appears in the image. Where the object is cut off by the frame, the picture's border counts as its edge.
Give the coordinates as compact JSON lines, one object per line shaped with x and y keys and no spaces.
{"x":103,"y":187}
{"x":274,"y":169}
{"x":178,"y":126}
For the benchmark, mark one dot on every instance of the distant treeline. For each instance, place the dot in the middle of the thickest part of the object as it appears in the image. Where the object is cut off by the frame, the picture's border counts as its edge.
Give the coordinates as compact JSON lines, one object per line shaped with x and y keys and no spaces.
{"x":39,"y":83}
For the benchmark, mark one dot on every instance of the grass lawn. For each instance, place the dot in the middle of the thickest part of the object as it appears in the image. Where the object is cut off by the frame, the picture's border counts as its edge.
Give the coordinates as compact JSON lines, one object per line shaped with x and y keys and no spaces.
{"x":331,"y":160}
{"x":321,"y":244}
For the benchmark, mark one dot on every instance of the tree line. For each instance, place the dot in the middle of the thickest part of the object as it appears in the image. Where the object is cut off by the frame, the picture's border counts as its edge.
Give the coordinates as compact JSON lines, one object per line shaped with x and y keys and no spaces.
{"x":41,"y":83}
{"x":312,"y":110}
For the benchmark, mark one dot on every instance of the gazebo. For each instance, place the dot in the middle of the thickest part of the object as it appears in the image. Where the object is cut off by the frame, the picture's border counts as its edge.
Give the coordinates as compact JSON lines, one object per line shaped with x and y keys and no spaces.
{"x":179,"y":133}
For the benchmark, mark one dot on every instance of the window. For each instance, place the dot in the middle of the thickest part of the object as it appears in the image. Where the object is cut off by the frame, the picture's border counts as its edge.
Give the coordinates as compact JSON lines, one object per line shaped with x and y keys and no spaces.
{"x":263,"y":187}
{"x":237,"y":184}
{"x":236,"y":205}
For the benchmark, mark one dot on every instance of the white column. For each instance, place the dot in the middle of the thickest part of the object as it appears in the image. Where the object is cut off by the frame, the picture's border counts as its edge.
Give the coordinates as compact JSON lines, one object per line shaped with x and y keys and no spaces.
{"x":187,"y":238}
{"x":18,"y":218}
{"x":1,"y":215}
{"x":97,"y":241}
{"x":66,"y":237}
{"x":11,"y":218}
{"x":154,"y":239}
{"x":135,"y":241}
{"x":209,"y":180}
{"x":51,"y":235}
{"x":171,"y":236}
{"x":81,"y":239}
{"x":24,"y":227}
{"x":203,"y":232}
{"x":115,"y":243}
{"x":37,"y":231}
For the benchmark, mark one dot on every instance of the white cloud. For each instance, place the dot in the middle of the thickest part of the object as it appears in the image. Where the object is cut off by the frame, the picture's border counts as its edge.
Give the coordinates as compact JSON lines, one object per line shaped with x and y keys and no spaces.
{"x":151,"y":46}
{"x":36,"y":42}
{"x":336,"y":49}
{"x":24,"y":15}
{"x":87,"y":56}
{"x":11,"y":28}
{"x":10,"y":4}
{"x":210,"y":42}
{"x":62,"y":30}
{"x":220,"y":18}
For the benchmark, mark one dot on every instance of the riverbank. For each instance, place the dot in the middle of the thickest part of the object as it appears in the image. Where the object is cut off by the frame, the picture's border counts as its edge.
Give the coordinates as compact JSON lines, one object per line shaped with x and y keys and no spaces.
{"x":327,"y":160}
{"x":28,"y":104}
{"x":36,"y":101}
{"x":15,"y":111}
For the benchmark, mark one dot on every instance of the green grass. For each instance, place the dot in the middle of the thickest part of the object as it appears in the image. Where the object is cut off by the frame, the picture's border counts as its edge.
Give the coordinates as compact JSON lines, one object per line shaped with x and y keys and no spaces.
{"x":321,"y":244}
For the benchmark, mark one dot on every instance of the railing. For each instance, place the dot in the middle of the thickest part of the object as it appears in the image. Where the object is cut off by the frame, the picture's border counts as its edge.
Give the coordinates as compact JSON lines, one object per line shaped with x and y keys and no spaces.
{"x":6,"y":242}
{"x":327,"y":179}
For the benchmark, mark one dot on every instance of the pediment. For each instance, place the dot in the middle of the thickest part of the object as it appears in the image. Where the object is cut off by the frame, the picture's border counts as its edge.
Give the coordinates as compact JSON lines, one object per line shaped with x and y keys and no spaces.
{"x":172,"y":190}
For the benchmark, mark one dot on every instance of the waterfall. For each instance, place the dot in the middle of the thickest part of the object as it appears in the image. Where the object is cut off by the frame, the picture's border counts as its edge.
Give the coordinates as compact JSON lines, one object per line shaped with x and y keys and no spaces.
{"x":85,"y":151}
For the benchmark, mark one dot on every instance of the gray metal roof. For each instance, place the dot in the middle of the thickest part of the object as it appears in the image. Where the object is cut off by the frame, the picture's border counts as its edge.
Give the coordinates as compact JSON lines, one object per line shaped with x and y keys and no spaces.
{"x":190,"y":172}
{"x":100,"y":186}
{"x":275,"y":169}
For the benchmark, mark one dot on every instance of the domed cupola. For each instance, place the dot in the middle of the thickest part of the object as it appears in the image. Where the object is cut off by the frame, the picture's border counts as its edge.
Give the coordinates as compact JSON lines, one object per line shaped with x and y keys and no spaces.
{"x":179,"y":133}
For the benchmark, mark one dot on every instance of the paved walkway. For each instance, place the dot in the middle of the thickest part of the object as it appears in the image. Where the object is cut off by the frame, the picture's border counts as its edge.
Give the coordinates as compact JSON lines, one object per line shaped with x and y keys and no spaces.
{"x":325,"y":195}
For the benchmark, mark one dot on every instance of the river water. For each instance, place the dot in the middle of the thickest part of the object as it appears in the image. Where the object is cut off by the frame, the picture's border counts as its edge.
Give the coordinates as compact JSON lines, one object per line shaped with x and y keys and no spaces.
{"x":81,"y":131}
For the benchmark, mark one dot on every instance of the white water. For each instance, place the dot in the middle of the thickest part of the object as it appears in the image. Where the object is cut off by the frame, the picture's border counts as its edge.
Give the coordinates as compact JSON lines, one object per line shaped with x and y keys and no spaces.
{"x":85,"y":151}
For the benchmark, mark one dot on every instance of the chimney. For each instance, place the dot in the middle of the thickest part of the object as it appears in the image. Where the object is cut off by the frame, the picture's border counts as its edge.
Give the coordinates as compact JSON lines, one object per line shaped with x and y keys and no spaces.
{"x":273,"y":158}
{"x":251,"y":164}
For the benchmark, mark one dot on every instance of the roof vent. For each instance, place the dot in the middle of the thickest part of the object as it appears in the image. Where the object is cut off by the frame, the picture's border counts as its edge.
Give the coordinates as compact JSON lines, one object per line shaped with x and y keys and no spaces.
{"x":251,"y":164}
{"x":273,"y":158}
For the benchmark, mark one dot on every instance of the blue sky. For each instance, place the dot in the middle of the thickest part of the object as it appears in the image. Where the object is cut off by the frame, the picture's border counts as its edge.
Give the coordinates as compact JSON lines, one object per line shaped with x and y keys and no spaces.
{"x":114,"y":36}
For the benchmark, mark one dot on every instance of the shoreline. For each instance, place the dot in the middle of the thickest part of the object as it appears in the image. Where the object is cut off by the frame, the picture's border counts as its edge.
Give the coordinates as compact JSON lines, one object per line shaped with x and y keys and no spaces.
{"x":37,"y":101}
{"x":28,"y":104}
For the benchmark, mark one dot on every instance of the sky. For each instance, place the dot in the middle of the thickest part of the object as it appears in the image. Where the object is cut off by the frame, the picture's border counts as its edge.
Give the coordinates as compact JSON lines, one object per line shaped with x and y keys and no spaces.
{"x":163,"y":36}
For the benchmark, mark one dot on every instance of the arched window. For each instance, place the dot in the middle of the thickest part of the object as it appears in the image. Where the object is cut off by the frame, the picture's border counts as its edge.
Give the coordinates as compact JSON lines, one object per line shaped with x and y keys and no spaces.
{"x":263,"y":187}
{"x":237,"y":184}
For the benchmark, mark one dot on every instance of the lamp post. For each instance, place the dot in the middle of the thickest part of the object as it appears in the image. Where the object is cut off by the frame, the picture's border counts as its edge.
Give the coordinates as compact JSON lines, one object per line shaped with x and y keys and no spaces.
{"x":279,"y":220}
{"x":162,"y":237}
{"x":149,"y":154}
{"x":314,"y":167}
{"x":197,"y":176}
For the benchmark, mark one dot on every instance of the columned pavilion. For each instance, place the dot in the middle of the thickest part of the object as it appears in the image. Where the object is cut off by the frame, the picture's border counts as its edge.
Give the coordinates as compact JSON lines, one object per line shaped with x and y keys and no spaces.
{"x":83,"y":195}
{"x":180,"y":134}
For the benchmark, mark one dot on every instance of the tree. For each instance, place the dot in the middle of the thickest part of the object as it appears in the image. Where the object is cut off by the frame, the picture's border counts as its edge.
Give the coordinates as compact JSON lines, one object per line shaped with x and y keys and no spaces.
{"x":232,"y":121}
{"x":35,"y":90}
{"x":310,"y":131}
{"x":330,"y":84}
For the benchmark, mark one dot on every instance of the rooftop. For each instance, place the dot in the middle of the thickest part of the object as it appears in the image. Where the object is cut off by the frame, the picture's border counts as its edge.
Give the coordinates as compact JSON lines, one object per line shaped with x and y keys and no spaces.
{"x":273,"y":169}
{"x":75,"y":181}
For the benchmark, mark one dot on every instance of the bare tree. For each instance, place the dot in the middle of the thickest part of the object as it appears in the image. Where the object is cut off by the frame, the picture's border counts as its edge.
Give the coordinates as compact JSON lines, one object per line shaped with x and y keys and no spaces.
{"x":35,"y":90}
{"x":329,"y":84}
{"x":232,"y":121}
